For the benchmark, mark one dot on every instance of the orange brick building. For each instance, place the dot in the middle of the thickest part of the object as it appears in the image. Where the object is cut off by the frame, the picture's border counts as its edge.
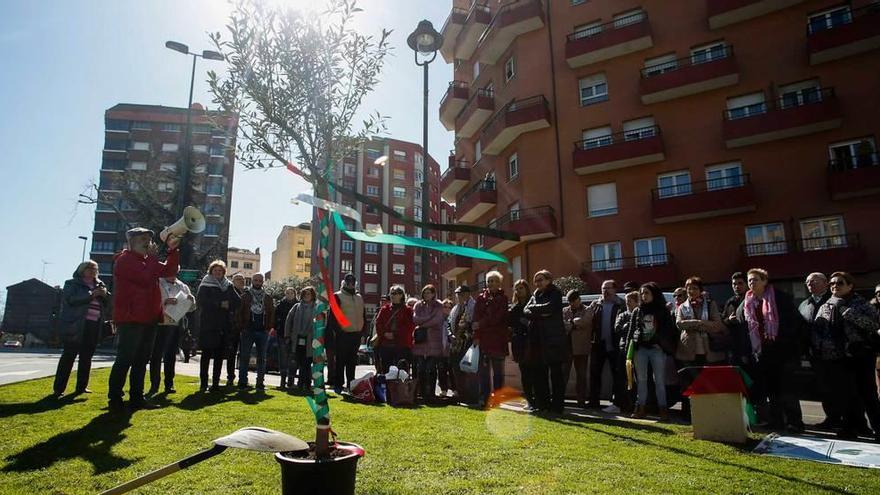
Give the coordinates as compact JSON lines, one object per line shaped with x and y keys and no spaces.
{"x":652,"y":140}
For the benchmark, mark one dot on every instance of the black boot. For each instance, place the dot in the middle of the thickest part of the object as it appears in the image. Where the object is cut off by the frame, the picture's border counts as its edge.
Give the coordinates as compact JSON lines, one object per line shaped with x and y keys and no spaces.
{"x":283,"y":385}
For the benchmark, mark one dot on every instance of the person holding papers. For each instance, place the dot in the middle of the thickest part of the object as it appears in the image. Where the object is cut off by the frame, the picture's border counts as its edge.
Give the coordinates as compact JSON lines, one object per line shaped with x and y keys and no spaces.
{"x":177,"y":301}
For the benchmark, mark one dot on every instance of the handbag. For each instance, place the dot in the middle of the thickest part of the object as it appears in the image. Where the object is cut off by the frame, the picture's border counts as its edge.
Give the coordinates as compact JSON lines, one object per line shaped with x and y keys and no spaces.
{"x":420,"y":335}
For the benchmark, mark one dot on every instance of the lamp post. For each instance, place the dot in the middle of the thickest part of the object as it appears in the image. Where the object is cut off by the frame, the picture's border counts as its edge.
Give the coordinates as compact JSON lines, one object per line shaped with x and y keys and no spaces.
{"x":183,"y":192}
{"x":425,"y":41}
{"x":84,"y":239}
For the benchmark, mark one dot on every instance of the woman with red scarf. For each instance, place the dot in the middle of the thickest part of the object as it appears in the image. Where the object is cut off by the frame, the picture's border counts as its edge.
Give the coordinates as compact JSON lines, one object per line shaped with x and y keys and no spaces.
{"x":771,"y":318}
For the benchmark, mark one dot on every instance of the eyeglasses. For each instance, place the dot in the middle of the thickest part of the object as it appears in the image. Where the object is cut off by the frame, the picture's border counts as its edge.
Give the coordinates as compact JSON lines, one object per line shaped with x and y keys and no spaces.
{"x":837,"y":282}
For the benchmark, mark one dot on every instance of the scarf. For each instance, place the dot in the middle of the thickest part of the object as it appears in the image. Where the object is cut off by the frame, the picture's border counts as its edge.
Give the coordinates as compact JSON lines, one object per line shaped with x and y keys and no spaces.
{"x":771,"y":319}
{"x":209,"y":281}
{"x":687,"y":309}
{"x":257,"y":298}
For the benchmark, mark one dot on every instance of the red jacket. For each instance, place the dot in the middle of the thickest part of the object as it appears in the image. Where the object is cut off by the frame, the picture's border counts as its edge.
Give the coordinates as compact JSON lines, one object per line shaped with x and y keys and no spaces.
{"x":405,"y":326}
{"x":137,"y":297}
{"x":492,"y":331}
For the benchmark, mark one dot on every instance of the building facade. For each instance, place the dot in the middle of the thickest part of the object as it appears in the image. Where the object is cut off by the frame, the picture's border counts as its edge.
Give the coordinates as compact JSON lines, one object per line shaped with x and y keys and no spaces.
{"x":292,"y":256}
{"x":242,"y":261}
{"x":396,"y":183}
{"x":142,"y":171}
{"x":653,"y":140}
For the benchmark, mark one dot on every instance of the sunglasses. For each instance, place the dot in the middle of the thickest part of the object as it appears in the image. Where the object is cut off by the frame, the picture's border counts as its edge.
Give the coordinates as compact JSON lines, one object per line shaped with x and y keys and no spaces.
{"x":837,"y":282}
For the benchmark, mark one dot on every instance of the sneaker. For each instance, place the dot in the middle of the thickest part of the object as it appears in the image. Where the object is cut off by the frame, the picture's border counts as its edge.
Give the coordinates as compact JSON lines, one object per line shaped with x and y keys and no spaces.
{"x":82,"y":391}
{"x":612,"y":409}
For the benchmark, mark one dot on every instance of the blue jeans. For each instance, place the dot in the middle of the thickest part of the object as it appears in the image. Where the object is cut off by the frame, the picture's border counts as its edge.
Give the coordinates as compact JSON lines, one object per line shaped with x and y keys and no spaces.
{"x":248,"y":339}
{"x":657,"y":359}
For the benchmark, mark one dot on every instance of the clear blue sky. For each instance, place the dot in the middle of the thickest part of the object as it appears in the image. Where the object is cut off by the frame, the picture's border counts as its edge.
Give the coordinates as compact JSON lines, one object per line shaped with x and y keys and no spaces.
{"x":65,"y":63}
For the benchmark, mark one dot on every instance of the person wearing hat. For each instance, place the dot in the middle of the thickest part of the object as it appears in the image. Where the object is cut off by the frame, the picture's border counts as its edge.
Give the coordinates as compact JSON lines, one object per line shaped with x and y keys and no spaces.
{"x":137,"y":310}
{"x":348,"y":338}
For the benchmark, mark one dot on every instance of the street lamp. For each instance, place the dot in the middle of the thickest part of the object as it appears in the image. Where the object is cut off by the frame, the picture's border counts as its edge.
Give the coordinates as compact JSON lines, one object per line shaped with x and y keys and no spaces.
{"x":186,"y":176}
{"x":84,"y":239}
{"x":425,"y":40}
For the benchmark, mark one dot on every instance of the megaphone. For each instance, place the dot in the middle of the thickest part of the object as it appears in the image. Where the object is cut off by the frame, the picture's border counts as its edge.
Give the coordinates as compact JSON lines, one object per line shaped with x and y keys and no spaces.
{"x":191,"y":221}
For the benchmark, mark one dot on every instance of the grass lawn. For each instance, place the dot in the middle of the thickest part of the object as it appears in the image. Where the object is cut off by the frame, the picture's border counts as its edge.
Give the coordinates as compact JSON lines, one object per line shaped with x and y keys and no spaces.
{"x":80,"y":448}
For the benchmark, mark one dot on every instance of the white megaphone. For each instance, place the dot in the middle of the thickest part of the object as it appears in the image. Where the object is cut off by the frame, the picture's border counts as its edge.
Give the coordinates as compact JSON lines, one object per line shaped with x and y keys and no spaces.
{"x":191,"y":221}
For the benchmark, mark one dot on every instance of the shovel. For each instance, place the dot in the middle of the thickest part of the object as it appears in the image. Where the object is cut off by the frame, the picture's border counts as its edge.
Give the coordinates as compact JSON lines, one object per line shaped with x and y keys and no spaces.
{"x":250,"y":438}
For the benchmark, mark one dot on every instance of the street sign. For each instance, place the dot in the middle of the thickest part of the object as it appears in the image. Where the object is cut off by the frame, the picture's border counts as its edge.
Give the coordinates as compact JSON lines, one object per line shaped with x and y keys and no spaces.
{"x":188,"y":275}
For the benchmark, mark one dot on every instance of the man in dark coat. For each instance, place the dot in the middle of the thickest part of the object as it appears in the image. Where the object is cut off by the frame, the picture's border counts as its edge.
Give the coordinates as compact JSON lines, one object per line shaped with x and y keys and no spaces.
{"x":606,"y":346}
{"x":740,"y":347}
{"x":284,"y":306}
{"x":256,"y":318}
{"x":137,"y":309}
{"x":544,"y":310}
{"x":817,"y":285}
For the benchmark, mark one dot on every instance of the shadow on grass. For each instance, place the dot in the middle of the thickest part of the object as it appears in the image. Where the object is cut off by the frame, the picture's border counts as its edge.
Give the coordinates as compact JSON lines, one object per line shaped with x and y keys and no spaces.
{"x":92,"y":443}
{"x":200,"y":400}
{"x":569,"y":419}
{"x":647,"y":443}
{"x":48,"y":403}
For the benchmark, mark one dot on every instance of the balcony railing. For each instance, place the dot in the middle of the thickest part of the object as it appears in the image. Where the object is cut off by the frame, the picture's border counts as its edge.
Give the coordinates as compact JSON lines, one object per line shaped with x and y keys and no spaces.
{"x":618,"y":137}
{"x":485,"y":185}
{"x":808,"y":96}
{"x":864,"y":160}
{"x":516,"y":113}
{"x":598,"y":30}
{"x":539,"y":212}
{"x":456,"y":15}
{"x":453,"y":85}
{"x":842,"y":18}
{"x":802,"y":245}
{"x":615,"y":264}
{"x":719,"y":184}
{"x":721,"y":53}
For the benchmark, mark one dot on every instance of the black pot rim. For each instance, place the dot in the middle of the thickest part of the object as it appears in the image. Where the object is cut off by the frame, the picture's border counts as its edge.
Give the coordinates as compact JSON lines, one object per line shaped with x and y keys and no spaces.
{"x":281,"y":458}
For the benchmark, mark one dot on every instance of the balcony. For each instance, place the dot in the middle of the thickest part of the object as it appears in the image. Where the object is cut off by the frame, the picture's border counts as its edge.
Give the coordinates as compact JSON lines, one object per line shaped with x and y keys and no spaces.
{"x":802,"y":113}
{"x":792,"y":259}
{"x":450,"y":31}
{"x":513,"y":19}
{"x":531,"y":224}
{"x":452,"y":103}
{"x":704,"y":199}
{"x":456,"y":177}
{"x":658,"y":268}
{"x":726,"y":12}
{"x":857,"y":31}
{"x":620,"y":37}
{"x":453,"y":266}
{"x":479,"y":16}
{"x":477,"y":201}
{"x":476,"y":111}
{"x":689,"y":76}
{"x":516,"y":118}
{"x":855,"y":176}
{"x":618,"y":150}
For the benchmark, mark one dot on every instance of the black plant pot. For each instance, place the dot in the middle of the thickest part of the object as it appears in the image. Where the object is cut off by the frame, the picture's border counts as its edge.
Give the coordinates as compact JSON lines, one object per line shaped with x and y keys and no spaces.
{"x":336,"y":475}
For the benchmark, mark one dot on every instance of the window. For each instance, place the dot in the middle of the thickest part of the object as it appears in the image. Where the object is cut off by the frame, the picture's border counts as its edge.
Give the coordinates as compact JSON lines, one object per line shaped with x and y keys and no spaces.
{"x":798,"y":94}
{"x":587,"y":30}
{"x":347,"y":246}
{"x":201,"y":129}
{"x":165,"y":186}
{"x":765,"y":239}
{"x":593,"y":89}
{"x":400,"y":155}
{"x":746,"y":105}
{"x":105,"y":267}
{"x":398,"y":269}
{"x":399,"y":174}
{"x":299,"y":267}
{"x":478,"y":151}
{"x":399,"y":192}
{"x":169,"y":146}
{"x":373,"y":154}
{"x":724,"y":176}
{"x":213,"y":230}
{"x":233,"y":264}
{"x":137,"y":165}
{"x":146,"y":126}
{"x":116,"y":125}
{"x":823,"y":233}
{"x":660,"y":65}
{"x":398,"y":229}
{"x":106,"y":225}
{"x":372,"y":190}
{"x":398,"y":249}
{"x":418,"y":159}
{"x":371,"y":288}
{"x":350,"y":169}
{"x":200,"y":148}
{"x":636,"y":129}
{"x":103,"y":247}
{"x":417,"y":212}
{"x":400,"y":210}
{"x":597,"y":137}
{"x":419,"y":177}
{"x":674,"y":184}
{"x":650,"y":251}
{"x":829,"y":19}
{"x":606,"y":256}
{"x":512,"y":167}
{"x":217,"y":151}
{"x":373,"y":171}
{"x":708,"y":53}
{"x":602,"y":200}
{"x":113,"y":165}
{"x":308,"y":267}
{"x":624,"y":19}
{"x":371,"y":248}
{"x":573,"y":2}
{"x":140,"y":146}
{"x":168,"y":167}
{"x":300,"y":254}
{"x":345,"y":266}
{"x":514,"y":211}
{"x":171,"y":127}
{"x":301,"y":241}
{"x":476,"y":70}
{"x":509,"y":69}
{"x":214,"y":189}
{"x":417,"y":194}
{"x":215,"y":169}
{"x":854,"y":154}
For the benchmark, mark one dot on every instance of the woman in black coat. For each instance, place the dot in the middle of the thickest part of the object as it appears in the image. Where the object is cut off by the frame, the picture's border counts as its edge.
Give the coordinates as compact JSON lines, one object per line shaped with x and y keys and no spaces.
{"x":523,"y":345}
{"x":544,"y":311}
{"x":85,"y":302}
{"x":216,"y":300}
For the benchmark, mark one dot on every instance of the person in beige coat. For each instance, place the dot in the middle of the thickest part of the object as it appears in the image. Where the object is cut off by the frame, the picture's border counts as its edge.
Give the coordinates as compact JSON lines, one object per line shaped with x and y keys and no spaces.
{"x":703,"y":334}
{"x":578,"y":321}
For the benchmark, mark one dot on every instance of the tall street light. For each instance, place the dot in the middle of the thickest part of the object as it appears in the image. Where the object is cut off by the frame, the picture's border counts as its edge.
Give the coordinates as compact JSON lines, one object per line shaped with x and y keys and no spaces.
{"x":425,"y":41}
{"x":84,"y":239}
{"x":183,"y":192}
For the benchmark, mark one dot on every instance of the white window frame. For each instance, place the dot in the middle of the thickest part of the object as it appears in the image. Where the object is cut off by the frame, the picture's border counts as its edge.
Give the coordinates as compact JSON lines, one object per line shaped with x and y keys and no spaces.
{"x":350,"y":169}
{"x":595,"y":87}
{"x":170,"y":147}
{"x":608,"y":261}
{"x":398,"y":249}
{"x":641,"y":128}
{"x":513,"y":167}
{"x":855,"y":156}
{"x":137,"y":165}
{"x":165,"y":186}
{"x":598,"y":190}
{"x":476,"y":70}
{"x":728,"y":176}
{"x":167,"y":167}
{"x":140,"y":145}
{"x":372,"y":190}
{"x":514,"y":211}
{"x":478,"y":151}
{"x":768,"y":244}
{"x":799,"y":94}
{"x":400,"y":154}
{"x":709,"y":52}
{"x":597,"y":137}
{"x":371,"y":248}
{"x":737,"y":108}
{"x":347,"y":246}
{"x":509,"y":69}
{"x":660,"y":65}
{"x":628,"y":18}
{"x":398,"y":192}
{"x":826,"y":239}
{"x":677,"y":188}
{"x":398,"y":229}
{"x":398,"y":269}
{"x":828,"y":18}
{"x":651,"y":258}
{"x":371,"y":268}
{"x":371,"y":288}
{"x":346,"y":266}
{"x":200,"y":148}
{"x":588,"y":30}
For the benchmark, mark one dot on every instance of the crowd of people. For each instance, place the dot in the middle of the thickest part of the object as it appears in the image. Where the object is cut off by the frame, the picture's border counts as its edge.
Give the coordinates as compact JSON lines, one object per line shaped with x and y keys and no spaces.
{"x":649,"y":345}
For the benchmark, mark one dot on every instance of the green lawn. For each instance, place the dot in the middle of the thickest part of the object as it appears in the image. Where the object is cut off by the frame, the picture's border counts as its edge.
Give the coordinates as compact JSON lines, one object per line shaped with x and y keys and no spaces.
{"x":79,"y":448}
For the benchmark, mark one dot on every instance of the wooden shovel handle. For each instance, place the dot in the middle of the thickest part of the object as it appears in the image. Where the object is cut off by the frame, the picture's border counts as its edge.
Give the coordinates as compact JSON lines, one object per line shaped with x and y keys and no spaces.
{"x":165,"y":471}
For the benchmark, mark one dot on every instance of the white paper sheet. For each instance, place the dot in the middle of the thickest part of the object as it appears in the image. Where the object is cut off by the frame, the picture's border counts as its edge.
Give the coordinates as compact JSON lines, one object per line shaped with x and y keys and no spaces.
{"x":177,"y":311}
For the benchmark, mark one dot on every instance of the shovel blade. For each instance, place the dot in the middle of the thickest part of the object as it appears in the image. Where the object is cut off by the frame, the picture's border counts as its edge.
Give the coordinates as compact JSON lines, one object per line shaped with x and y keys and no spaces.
{"x":262,"y":440}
